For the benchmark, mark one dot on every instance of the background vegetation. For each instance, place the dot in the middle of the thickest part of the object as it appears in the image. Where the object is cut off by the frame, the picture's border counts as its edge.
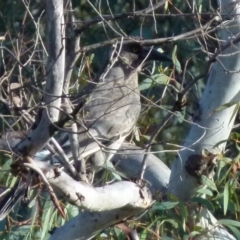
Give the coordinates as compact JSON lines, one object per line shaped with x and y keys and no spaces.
{"x":23,"y":58}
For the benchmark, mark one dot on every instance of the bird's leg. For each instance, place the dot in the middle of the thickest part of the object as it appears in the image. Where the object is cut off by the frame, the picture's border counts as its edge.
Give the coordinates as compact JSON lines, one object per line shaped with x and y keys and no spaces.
{"x":63,"y":158}
{"x":80,"y":165}
{"x":113,"y":148}
{"x":102,"y":157}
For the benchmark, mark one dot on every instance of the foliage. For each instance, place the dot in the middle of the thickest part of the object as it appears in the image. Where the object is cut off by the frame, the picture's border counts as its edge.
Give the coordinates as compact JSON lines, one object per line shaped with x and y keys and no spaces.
{"x":22,"y":33}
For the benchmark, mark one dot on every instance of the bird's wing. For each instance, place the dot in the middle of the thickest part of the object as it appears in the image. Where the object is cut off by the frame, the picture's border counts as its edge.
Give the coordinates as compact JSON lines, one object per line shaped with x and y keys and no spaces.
{"x":112,"y":110}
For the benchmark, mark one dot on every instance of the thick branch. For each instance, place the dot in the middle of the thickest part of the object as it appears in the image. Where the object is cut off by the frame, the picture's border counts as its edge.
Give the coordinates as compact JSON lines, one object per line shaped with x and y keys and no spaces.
{"x":55,"y":76}
{"x":211,"y":126}
{"x":88,"y":224}
{"x":109,"y":197}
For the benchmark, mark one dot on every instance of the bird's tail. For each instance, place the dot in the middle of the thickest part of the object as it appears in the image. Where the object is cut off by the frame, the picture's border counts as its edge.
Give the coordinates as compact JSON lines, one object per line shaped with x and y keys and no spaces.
{"x":9,"y":200}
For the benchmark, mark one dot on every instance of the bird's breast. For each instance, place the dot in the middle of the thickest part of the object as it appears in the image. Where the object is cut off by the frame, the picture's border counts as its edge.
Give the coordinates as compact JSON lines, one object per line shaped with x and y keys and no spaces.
{"x":112,"y":109}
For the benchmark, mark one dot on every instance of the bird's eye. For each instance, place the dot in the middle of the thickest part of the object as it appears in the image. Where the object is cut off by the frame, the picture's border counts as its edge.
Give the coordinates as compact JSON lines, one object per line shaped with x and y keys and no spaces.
{"x":134,"y":49}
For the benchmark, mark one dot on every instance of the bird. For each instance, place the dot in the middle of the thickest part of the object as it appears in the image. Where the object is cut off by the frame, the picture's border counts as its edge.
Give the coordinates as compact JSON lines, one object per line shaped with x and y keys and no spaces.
{"x":110,"y":111}
{"x":114,"y":106}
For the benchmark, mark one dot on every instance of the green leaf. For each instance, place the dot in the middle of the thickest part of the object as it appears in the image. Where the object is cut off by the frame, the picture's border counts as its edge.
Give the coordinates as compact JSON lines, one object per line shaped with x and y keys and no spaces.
{"x":164,"y":205}
{"x":155,"y":79}
{"x":72,"y":211}
{"x":47,"y":217}
{"x":136,"y":134}
{"x":193,"y":234}
{"x":171,"y":221}
{"x":21,"y":232}
{"x":204,"y":202}
{"x":226,"y":160}
{"x":234,"y":113}
{"x":144,"y":234}
{"x":235,"y":136}
{"x":225,"y":198}
{"x":145,"y":84}
{"x":183,"y":214}
{"x":235,"y":231}
{"x":224,"y":106}
{"x":205,"y":191}
{"x":229,"y":222}
{"x":220,"y":165}
{"x":238,"y":148}
{"x":175,"y":60}
{"x":207,"y":181}
{"x":91,"y":57}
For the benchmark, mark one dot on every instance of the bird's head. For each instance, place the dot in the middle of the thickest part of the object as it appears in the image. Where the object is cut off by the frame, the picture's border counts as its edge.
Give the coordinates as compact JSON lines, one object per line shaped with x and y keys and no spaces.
{"x":133,"y":54}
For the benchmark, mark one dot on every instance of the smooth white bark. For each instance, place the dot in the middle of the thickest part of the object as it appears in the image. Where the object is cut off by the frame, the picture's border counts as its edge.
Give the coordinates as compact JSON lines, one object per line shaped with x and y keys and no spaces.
{"x":54,"y":80}
{"x":113,"y":196}
{"x":212,"y":127}
{"x":87,"y":224}
{"x":128,"y":161}
{"x":215,"y":231}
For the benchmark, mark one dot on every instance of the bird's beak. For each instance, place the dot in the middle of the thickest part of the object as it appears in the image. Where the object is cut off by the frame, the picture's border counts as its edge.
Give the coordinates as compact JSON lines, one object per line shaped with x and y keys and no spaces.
{"x":152,"y":54}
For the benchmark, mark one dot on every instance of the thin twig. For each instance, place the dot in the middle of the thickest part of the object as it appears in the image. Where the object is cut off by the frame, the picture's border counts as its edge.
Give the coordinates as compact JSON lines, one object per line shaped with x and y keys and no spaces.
{"x":31,"y":164}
